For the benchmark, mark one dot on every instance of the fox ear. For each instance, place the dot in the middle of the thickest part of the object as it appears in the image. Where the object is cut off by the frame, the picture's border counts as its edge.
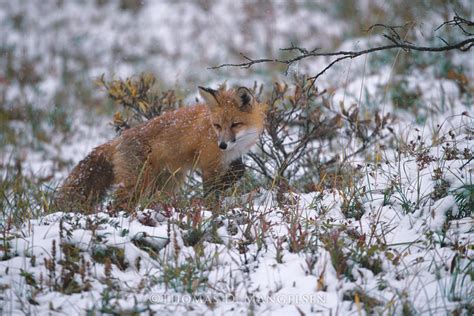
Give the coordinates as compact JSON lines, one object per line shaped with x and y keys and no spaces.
{"x":245,"y":99}
{"x":209,"y":95}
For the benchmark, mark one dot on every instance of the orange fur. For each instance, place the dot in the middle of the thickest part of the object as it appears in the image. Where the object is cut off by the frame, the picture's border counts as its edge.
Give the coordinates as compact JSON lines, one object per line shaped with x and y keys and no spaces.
{"x":156,"y":156}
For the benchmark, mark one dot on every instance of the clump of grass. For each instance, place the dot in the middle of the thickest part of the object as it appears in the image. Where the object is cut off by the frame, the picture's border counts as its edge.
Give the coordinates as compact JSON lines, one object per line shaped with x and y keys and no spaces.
{"x":334,"y":243}
{"x":73,"y":277}
{"x":464,"y":197}
{"x":351,"y":205}
{"x":184,"y":273}
{"x":363,"y":300}
{"x":115,"y":255}
{"x":349,"y":249}
{"x":405,"y":97}
{"x":22,"y":197}
{"x":187,"y":277}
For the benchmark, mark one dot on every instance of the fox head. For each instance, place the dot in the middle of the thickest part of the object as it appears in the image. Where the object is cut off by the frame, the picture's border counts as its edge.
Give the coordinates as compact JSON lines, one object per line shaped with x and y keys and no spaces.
{"x":236,"y":117}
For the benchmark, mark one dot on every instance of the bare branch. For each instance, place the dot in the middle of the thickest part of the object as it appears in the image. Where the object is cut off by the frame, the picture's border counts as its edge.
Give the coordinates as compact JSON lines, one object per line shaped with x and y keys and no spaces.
{"x":393,"y":36}
{"x":460,"y":22}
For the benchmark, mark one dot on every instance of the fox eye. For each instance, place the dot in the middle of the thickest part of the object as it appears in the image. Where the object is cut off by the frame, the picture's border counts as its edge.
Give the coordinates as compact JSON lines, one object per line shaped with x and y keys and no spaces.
{"x":237,"y":124}
{"x":217,"y":126}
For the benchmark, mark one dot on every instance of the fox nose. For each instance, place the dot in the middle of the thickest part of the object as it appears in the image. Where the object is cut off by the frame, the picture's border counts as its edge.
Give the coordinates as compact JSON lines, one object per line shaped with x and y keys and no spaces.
{"x":222,"y":145}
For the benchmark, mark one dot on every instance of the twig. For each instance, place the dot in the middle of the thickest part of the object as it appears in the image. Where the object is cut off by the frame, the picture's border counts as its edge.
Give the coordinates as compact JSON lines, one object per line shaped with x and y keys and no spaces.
{"x":394,"y":37}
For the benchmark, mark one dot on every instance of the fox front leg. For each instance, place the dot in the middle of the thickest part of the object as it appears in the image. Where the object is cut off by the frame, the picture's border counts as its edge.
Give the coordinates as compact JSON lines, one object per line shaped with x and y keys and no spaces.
{"x":233,"y":174}
{"x":215,"y":183}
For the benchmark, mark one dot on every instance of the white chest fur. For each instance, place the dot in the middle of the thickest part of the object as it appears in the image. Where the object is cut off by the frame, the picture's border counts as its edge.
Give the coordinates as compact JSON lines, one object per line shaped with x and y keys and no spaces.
{"x":243,"y":142}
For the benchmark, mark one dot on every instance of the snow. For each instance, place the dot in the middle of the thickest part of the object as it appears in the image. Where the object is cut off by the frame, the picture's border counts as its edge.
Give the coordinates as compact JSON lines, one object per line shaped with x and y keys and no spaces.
{"x":438,"y":212}
{"x":256,"y":272}
{"x":407,"y":250}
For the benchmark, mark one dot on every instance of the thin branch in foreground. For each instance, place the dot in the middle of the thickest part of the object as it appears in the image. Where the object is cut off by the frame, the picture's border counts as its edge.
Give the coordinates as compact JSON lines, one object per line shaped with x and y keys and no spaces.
{"x":460,"y":22}
{"x":393,"y":36}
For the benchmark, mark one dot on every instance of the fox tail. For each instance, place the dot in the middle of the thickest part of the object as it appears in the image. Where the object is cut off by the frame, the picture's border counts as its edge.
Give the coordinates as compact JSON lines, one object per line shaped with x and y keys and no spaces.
{"x":88,"y":182}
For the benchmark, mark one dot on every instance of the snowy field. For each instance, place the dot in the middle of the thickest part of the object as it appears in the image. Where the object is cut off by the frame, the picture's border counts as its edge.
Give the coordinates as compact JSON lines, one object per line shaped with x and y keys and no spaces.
{"x":397,"y":238}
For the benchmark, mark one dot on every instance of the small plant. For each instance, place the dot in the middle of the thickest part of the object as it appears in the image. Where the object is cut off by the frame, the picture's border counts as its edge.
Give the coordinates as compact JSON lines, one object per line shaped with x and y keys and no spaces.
{"x":363,"y":300}
{"x":301,"y":122}
{"x":115,"y":255}
{"x":22,"y":197}
{"x":464,"y":197}
{"x":335,"y":245}
{"x":298,"y":234}
{"x":405,"y":97}
{"x":186,"y":277}
{"x":140,"y":99}
{"x":351,"y":205}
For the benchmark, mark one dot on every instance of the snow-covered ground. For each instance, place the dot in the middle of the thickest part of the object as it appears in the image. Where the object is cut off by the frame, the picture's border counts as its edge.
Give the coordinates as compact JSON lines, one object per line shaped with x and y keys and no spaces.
{"x":305,"y":256}
{"x":409,"y":250}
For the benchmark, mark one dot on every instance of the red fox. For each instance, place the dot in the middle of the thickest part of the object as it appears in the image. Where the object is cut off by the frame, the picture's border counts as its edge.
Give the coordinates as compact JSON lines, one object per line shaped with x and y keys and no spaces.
{"x":155,"y":156}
